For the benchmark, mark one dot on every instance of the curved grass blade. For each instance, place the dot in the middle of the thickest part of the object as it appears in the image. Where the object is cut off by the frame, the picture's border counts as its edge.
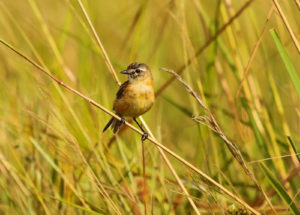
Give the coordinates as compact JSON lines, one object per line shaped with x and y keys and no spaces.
{"x":287,"y":62}
{"x":294,"y":147}
{"x":280,"y":190}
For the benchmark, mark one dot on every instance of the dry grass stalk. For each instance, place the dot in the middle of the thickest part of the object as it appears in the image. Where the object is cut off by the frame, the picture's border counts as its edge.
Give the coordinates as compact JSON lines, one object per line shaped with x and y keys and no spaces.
{"x":211,"y":122}
{"x":204,"y":46}
{"x":107,"y":61}
{"x":288,"y":27}
{"x":99,"y":43}
{"x":159,"y":145}
{"x":254,"y":51}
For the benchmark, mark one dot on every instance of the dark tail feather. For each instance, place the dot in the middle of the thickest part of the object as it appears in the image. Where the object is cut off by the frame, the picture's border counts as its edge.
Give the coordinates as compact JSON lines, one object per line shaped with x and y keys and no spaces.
{"x":108,"y":124}
{"x":114,"y":123}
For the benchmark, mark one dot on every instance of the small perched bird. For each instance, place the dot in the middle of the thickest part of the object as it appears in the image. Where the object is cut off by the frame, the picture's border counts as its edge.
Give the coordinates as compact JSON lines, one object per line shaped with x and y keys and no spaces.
{"x":134,"y":97}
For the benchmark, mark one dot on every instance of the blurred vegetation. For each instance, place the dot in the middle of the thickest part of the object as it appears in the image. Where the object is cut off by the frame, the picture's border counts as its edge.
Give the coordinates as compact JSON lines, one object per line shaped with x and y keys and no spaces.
{"x":239,"y":57}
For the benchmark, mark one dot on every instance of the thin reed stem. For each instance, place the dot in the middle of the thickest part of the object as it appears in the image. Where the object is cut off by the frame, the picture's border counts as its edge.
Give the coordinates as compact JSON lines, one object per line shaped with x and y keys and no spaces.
{"x":118,"y":82}
{"x":106,"y":58}
{"x":288,"y":27}
{"x":212,"y":124}
{"x":160,"y":146}
{"x":144,"y":177}
{"x":204,"y":46}
{"x":255,"y":50}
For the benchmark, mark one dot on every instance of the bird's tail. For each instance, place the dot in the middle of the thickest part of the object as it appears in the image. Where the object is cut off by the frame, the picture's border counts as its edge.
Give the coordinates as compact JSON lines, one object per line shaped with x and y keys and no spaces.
{"x":114,"y":123}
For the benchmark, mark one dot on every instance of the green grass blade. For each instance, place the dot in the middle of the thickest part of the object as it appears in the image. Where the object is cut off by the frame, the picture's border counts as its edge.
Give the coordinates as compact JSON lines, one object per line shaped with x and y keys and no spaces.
{"x":55,"y":167}
{"x":294,"y":147}
{"x":287,"y":62}
{"x":280,"y":190}
{"x":78,"y":206}
{"x":178,"y":106}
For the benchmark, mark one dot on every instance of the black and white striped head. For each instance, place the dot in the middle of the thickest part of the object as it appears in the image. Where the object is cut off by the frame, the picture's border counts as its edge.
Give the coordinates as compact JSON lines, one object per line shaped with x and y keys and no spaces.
{"x":137,"y":71}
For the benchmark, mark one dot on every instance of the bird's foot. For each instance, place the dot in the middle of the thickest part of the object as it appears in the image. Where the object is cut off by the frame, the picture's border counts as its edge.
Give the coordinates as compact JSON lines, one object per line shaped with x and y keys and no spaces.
{"x":144,"y":136}
{"x":122,"y":120}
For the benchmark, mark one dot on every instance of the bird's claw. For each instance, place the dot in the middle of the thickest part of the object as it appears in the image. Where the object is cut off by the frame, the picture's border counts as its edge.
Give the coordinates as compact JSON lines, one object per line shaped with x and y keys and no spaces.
{"x":122,"y":120}
{"x":145,"y":136}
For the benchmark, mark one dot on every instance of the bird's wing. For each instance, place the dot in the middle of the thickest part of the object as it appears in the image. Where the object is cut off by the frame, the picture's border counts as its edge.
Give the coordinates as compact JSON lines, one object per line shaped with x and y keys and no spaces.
{"x":122,"y":90}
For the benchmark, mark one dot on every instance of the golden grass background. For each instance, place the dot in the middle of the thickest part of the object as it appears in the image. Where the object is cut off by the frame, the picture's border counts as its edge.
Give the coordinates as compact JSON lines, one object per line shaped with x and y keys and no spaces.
{"x":54,"y":158}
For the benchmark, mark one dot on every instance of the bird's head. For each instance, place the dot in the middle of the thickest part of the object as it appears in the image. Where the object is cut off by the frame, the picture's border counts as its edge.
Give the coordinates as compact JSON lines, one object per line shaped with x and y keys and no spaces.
{"x":137,"y":72}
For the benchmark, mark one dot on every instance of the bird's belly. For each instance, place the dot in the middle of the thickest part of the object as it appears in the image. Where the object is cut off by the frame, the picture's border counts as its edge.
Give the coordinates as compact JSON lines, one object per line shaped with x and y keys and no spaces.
{"x":134,"y":104}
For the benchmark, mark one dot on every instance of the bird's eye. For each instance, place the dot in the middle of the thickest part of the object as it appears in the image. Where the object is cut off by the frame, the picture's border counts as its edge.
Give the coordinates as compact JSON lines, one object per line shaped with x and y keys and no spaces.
{"x":138,"y":71}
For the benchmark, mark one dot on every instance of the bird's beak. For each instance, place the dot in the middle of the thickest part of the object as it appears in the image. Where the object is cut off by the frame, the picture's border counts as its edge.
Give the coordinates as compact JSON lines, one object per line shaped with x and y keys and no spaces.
{"x":126,"y":72}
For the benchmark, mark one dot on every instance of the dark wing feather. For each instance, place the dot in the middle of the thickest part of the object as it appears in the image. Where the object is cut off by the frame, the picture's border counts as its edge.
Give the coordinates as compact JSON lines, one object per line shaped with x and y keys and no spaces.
{"x":122,"y":89}
{"x":113,"y":122}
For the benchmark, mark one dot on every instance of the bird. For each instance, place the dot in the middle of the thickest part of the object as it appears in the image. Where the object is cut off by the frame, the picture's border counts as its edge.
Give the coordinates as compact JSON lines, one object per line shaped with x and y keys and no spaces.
{"x":134,"y":97}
